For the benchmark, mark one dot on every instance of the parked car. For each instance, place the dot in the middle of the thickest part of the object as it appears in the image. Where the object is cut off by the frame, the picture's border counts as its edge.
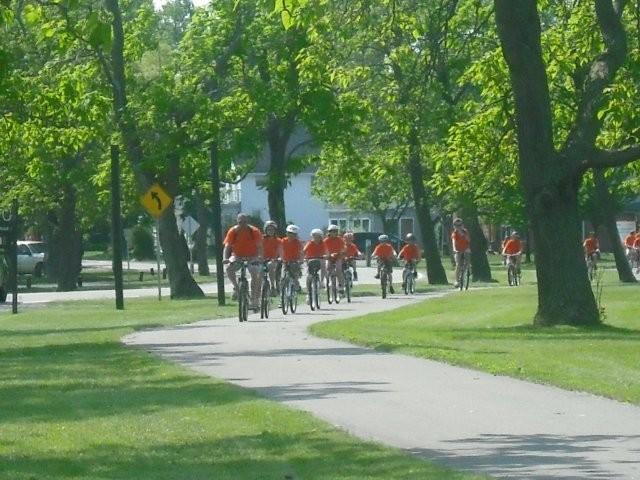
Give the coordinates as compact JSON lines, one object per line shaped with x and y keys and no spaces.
{"x":360,"y":239}
{"x":32,"y":256}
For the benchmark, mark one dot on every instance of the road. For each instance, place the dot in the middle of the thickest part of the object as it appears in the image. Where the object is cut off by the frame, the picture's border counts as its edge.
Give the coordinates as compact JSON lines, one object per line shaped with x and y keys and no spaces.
{"x":366,"y":277}
{"x":465,"y":419}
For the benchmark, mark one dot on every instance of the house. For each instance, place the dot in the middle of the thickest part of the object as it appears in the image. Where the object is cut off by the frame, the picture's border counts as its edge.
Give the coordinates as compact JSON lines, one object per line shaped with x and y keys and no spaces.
{"x":302,"y":207}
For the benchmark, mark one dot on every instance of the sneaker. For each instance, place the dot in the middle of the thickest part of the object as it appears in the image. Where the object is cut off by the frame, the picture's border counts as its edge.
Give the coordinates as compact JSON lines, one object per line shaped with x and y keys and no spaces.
{"x":391,"y":290}
{"x":355,"y":276}
{"x":377,"y":276}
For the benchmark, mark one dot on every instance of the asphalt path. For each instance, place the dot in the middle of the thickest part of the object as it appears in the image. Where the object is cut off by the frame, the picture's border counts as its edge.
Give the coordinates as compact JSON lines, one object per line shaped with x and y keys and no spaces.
{"x":462,"y":418}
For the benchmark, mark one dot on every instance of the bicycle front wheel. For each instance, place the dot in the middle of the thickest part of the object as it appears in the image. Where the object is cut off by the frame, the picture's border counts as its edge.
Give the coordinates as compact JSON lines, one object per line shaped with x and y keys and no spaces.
{"x":316,"y":293}
{"x":243,"y":301}
{"x":265,"y":298}
{"x":284,"y":304}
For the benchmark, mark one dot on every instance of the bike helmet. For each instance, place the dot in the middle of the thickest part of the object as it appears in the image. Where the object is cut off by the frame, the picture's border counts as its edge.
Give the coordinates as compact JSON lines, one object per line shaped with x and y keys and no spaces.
{"x":383,"y":238}
{"x":348,"y":236}
{"x":316,"y":231}
{"x":332,"y":228}
{"x":410,"y":237}
{"x":269,"y":223}
{"x":515,"y":234}
{"x":457,"y":222}
{"x":293,"y":229}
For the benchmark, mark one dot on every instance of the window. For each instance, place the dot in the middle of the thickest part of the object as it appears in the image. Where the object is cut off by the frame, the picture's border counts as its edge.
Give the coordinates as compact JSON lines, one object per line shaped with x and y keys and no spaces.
{"x":406,"y":226}
{"x":352,"y":224}
{"x":262,"y":181}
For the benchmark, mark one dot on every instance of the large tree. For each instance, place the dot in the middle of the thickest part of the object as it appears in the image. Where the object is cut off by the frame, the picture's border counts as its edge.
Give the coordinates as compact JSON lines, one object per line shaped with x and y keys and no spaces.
{"x":551,"y":175}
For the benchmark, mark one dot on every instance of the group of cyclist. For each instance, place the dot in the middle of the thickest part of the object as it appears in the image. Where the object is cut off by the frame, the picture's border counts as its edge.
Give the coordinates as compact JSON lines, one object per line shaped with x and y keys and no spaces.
{"x":333,"y":251}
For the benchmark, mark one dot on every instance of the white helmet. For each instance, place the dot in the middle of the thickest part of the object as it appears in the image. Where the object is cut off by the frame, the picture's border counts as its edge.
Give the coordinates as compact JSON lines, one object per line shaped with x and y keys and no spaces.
{"x":269,"y":223}
{"x":383,"y":238}
{"x":332,"y":228}
{"x":316,"y":231}
{"x":293,"y":229}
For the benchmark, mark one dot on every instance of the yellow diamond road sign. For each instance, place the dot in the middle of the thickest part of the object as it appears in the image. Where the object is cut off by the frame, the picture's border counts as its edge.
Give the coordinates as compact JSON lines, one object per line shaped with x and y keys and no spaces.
{"x":156,"y":200}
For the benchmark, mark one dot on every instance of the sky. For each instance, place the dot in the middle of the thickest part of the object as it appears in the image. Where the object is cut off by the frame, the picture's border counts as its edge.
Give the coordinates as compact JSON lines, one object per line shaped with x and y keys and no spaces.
{"x":197,"y":3}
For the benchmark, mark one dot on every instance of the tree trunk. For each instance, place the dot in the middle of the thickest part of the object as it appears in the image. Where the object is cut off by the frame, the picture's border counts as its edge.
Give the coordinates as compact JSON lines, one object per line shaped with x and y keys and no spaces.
{"x":605,"y":202}
{"x":180,"y":279}
{"x":278,"y":139}
{"x":176,"y":256}
{"x":436,"y":274}
{"x":550,"y":180}
{"x":479,"y":263}
{"x":174,"y":247}
{"x":68,"y":243}
{"x":201,"y":235}
{"x":564,"y":291}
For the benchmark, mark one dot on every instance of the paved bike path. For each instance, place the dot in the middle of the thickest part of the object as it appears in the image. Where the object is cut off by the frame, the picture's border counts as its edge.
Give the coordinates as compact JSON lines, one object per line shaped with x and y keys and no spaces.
{"x":466,"y":419}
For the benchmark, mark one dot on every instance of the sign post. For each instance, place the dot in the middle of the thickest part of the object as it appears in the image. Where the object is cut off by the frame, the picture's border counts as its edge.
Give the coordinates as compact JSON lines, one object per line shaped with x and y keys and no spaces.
{"x":217,"y":220}
{"x":156,"y":242}
{"x":190,"y":226}
{"x":156,"y":201}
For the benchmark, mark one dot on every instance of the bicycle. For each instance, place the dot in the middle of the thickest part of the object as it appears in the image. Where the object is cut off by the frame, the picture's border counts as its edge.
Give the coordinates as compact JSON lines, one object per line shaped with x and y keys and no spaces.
{"x":243,"y":292}
{"x":313,"y":283}
{"x":464,"y":275}
{"x":289,"y":290}
{"x":513,"y":273}
{"x":409,"y":278}
{"x":333,"y":295}
{"x":385,"y":278}
{"x":348,"y":278}
{"x":265,"y":291}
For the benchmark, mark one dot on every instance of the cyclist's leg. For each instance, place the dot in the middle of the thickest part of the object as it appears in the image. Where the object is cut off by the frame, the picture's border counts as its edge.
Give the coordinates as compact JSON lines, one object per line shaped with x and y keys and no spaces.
{"x":518,"y":263}
{"x":323,"y":272}
{"x":340,"y":273}
{"x":256,"y":283}
{"x":232,"y":268}
{"x":458,"y":258}
{"x":273,"y":267}
{"x":390,"y":277}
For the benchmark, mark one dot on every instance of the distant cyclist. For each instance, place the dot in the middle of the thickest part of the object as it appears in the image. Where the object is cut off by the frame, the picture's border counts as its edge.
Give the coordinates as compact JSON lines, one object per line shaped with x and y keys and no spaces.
{"x":292,"y":253}
{"x":591,"y":248}
{"x":629,"y":242}
{"x":335,"y":250}
{"x":352,"y":253}
{"x":271,"y":252}
{"x":513,"y":248}
{"x":385,"y":255}
{"x":315,"y":251}
{"x":243,"y":242}
{"x":461,"y":246}
{"x":410,"y":252}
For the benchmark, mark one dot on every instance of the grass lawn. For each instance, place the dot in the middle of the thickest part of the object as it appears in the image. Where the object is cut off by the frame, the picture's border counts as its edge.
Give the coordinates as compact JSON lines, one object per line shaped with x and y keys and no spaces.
{"x":491,"y":329}
{"x":77,"y":404}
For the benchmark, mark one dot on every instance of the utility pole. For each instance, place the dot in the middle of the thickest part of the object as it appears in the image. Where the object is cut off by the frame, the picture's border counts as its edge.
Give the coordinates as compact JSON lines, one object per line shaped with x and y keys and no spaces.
{"x":216,"y":207}
{"x":13,"y":248}
{"x":116,"y":226}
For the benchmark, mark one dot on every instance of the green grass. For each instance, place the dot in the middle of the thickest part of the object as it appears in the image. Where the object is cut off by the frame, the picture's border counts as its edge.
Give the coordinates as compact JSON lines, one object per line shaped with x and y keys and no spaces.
{"x":491,"y":330}
{"x":77,"y":404}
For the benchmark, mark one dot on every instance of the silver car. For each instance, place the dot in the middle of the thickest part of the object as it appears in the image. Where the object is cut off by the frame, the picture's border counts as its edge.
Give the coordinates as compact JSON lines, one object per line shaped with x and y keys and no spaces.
{"x":31,"y":257}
